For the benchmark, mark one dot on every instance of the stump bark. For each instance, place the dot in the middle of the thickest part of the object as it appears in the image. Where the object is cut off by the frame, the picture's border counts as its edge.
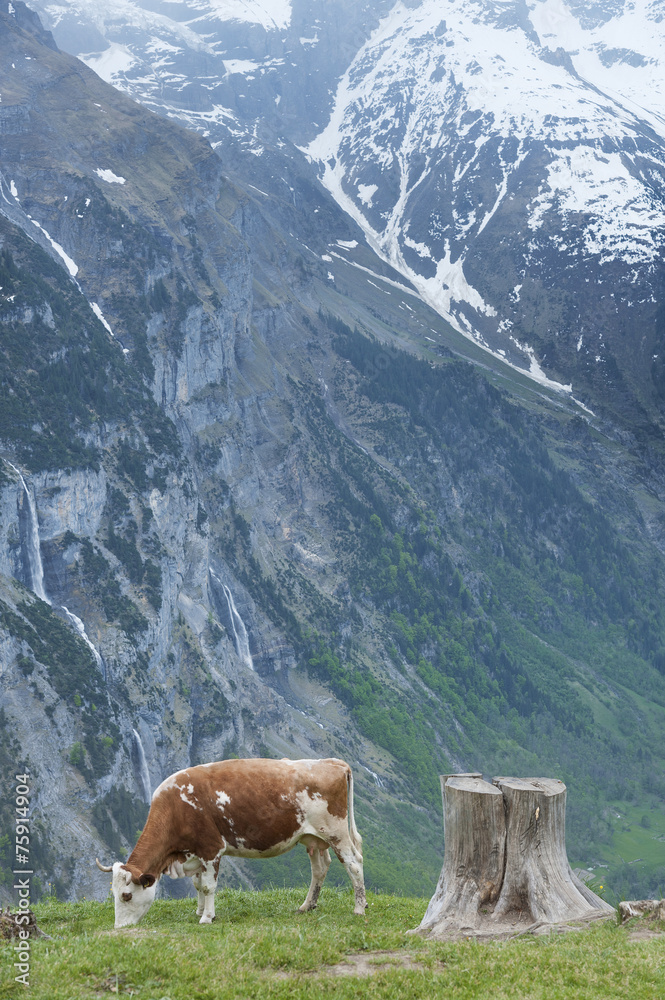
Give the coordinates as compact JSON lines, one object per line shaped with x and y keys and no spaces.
{"x":474,"y":831}
{"x":505,"y":868}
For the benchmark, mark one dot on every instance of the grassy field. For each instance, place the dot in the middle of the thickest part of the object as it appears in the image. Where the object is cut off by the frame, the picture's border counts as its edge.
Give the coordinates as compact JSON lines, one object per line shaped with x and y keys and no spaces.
{"x":260,"y":947}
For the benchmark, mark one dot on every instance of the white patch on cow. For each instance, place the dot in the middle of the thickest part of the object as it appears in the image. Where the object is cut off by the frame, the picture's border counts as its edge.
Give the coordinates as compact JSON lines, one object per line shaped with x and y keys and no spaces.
{"x":206,"y":883}
{"x":316,"y":820}
{"x":240,"y":851}
{"x":129,"y":911}
{"x":186,"y":789}
{"x":164,"y":787}
{"x":307,"y":761}
{"x":222,"y":800}
{"x":192,"y":864}
{"x":179,"y":869}
{"x":183,"y":795}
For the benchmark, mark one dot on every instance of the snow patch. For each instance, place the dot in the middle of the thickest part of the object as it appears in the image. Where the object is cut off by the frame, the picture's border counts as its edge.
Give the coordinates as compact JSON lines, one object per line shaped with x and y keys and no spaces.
{"x":623,"y":221}
{"x":111,"y":63}
{"x":71,"y":266}
{"x":240,"y":66}
{"x":366,"y":193}
{"x":421,"y":248}
{"x":98,"y":313}
{"x":270,"y":14}
{"x":109,"y":176}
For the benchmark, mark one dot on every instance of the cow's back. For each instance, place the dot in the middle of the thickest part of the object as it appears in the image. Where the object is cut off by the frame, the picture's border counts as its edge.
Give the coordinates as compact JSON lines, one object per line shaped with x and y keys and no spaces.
{"x":260,"y":806}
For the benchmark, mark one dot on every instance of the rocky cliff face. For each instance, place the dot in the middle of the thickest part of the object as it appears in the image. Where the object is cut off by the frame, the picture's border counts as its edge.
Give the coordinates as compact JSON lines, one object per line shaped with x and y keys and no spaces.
{"x":113,"y":280}
{"x":280,"y":533}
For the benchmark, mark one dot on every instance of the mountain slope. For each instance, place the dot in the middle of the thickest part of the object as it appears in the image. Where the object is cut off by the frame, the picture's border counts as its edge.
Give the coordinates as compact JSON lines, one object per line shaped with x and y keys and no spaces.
{"x":507,"y":157}
{"x":281,"y":532}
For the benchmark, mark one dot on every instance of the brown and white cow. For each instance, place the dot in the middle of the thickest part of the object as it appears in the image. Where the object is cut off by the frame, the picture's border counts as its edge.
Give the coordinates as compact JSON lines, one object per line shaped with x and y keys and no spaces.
{"x":244,"y":809}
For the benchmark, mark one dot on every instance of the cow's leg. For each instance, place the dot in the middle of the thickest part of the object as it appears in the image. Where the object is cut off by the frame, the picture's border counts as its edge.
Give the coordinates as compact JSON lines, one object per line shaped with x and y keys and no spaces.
{"x":206,"y":884}
{"x":320,"y":862}
{"x":200,"y":896}
{"x":352,"y":860}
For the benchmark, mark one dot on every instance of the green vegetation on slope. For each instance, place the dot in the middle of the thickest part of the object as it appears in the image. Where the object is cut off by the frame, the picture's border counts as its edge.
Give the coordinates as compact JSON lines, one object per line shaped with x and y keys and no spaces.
{"x":526,"y":629}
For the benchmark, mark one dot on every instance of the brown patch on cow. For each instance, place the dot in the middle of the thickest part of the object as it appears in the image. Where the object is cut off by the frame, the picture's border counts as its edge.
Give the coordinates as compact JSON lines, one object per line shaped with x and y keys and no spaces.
{"x":338,"y":800}
{"x":126,"y":896}
{"x":263,"y":804}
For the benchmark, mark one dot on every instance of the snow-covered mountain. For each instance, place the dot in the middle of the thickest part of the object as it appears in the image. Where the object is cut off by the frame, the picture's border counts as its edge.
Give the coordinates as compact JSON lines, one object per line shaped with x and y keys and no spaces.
{"x":507,"y":156}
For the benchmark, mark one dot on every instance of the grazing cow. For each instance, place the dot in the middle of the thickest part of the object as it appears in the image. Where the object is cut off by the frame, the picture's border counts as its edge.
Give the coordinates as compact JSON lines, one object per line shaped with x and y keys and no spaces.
{"x":244,"y":809}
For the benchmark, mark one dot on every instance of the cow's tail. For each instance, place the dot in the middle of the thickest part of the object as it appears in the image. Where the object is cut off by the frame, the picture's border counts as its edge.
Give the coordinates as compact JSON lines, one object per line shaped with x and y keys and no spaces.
{"x":356,"y":839}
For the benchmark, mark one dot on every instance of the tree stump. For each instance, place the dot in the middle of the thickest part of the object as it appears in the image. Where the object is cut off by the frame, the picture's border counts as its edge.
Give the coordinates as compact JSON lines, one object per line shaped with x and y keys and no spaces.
{"x":505,"y":868}
{"x":474,"y":831}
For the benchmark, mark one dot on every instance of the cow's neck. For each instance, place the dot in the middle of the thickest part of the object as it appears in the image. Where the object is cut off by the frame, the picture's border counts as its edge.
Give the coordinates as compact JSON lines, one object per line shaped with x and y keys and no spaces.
{"x":150,"y":856}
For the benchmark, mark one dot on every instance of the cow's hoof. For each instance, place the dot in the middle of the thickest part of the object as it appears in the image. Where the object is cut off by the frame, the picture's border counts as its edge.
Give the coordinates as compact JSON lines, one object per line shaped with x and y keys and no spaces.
{"x":206,"y":920}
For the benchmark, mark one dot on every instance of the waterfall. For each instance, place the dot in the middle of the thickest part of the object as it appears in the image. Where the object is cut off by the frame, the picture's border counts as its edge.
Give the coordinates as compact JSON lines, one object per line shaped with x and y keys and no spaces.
{"x":239,"y":631}
{"x":35,"y":566}
{"x":377,"y":779}
{"x":36,"y":569}
{"x":144,"y":773}
{"x":80,"y":628}
{"x":240,"y":637}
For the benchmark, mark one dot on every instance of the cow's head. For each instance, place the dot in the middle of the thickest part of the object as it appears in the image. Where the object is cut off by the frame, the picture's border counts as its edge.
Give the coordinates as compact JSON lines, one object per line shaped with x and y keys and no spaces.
{"x":133,"y":896}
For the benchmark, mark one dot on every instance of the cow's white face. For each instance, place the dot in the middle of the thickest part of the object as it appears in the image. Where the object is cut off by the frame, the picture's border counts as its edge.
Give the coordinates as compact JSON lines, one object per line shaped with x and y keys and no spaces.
{"x":132,"y":901}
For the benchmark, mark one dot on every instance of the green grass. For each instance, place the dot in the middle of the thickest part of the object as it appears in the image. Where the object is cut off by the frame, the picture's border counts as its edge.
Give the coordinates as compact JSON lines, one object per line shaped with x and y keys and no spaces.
{"x":632,"y":842}
{"x":259,"y":947}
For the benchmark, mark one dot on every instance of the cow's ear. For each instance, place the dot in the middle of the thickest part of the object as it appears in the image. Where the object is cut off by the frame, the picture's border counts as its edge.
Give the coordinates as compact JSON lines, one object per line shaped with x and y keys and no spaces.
{"x":146,"y":880}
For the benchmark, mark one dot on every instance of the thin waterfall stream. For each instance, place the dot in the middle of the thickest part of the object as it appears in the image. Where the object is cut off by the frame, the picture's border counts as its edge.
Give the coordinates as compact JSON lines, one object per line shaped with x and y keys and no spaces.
{"x":36,"y":570}
{"x":144,"y":773}
{"x":240,"y":636}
